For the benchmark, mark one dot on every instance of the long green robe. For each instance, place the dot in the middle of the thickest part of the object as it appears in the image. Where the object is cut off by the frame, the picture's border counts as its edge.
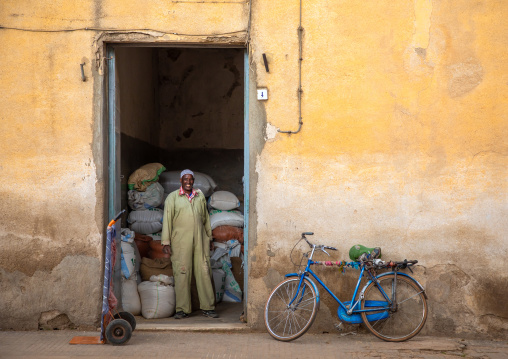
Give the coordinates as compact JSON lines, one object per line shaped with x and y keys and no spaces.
{"x":186,"y":227}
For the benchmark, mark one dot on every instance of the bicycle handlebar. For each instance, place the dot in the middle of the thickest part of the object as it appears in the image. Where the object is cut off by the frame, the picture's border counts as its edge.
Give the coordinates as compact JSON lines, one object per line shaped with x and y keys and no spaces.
{"x":375,"y":263}
{"x":317,"y":246}
{"x":328,"y":247}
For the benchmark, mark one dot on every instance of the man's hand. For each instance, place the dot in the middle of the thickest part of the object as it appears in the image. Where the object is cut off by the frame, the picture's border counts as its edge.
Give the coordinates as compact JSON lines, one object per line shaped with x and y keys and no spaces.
{"x":166,"y":249}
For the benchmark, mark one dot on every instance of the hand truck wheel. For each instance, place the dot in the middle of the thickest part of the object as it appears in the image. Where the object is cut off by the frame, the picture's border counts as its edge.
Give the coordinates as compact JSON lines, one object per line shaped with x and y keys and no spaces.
{"x":128,"y":317}
{"x":118,"y":332}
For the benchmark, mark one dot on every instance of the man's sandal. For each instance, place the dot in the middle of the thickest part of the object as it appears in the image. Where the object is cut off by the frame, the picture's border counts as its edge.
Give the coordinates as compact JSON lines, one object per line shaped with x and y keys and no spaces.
{"x":210,"y":313}
{"x":181,"y":315}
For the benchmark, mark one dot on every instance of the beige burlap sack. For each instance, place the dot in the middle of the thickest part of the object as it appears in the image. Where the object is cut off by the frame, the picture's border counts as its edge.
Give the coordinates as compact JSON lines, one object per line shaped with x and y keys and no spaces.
{"x":150,"y":267}
{"x":144,"y":176}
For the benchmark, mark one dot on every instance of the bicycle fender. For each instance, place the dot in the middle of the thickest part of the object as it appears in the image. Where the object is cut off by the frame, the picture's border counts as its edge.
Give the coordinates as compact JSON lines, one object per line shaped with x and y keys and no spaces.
{"x":398,"y":273}
{"x":311,"y":282}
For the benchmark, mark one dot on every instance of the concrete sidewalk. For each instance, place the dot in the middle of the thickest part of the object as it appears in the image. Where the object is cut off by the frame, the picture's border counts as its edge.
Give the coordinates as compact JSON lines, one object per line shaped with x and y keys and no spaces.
{"x":54,"y":344}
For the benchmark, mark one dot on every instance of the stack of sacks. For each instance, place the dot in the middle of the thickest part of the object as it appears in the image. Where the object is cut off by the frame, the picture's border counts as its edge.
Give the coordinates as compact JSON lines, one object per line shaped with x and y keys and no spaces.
{"x":151,"y":198}
{"x":226,"y":221}
{"x":150,"y":267}
{"x":219,"y":281}
{"x":154,"y":246}
{"x":147,"y":221}
{"x":144,"y":196}
{"x":130,"y":264}
{"x":157,"y":297}
{"x":144,"y":176}
{"x":143,"y":243}
{"x":170,"y":181}
{"x":227,"y":231}
{"x":227,"y":288}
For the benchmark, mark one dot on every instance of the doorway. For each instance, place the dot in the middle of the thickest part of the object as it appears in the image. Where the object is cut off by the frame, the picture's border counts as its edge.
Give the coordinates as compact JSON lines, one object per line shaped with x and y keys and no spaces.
{"x":183,"y":107}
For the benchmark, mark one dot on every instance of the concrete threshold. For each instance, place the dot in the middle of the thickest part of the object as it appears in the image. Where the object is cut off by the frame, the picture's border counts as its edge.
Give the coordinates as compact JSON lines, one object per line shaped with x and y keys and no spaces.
{"x":210,"y":327}
{"x":228,"y":321}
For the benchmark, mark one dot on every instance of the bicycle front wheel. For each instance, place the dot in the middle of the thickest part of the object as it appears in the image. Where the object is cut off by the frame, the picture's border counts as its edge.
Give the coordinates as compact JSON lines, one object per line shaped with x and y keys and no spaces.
{"x":398,"y":322}
{"x":289,"y":313}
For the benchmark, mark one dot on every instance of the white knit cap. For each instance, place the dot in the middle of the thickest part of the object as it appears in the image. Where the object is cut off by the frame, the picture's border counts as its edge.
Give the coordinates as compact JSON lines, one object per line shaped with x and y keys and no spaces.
{"x":186,"y":172}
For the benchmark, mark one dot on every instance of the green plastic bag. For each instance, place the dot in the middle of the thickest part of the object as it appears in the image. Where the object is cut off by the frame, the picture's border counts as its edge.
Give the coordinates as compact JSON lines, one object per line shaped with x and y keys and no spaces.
{"x":358,"y":250}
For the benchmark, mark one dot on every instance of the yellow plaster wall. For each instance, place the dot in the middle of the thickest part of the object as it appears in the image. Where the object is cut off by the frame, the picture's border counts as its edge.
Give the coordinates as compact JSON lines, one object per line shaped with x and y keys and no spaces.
{"x":48,"y":179}
{"x":52,"y":145}
{"x":403,"y":144}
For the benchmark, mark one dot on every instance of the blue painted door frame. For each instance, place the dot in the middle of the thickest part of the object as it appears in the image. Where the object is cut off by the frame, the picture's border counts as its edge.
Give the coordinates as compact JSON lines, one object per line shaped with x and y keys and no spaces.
{"x":114,"y":193}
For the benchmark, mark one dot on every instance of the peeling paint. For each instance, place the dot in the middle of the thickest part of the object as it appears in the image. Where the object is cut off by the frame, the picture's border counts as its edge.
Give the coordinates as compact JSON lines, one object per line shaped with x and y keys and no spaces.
{"x":270,"y":132}
{"x":403,"y":146}
{"x":464,"y":77}
{"x":423,"y":14}
{"x":69,"y":289}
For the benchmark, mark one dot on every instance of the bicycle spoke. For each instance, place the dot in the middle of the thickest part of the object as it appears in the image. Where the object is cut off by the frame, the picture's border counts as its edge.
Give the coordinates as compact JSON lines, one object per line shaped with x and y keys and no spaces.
{"x":410,"y":311}
{"x":278,"y":325}
{"x":306,"y":302}
{"x":280,"y":315}
{"x":413,"y":296}
{"x":287,"y":322}
{"x":381,"y":322}
{"x":292,"y":321}
{"x":298,"y":315}
{"x":288,"y":289}
{"x":283,"y":300}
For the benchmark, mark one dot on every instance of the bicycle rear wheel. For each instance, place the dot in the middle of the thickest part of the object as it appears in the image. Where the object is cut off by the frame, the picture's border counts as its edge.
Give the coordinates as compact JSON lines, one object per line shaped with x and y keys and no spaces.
{"x":285,"y":321}
{"x":398,"y":323}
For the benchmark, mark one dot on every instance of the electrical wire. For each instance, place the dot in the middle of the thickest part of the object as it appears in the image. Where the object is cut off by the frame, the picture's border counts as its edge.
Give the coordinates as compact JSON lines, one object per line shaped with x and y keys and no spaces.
{"x":300,"y":91}
{"x":208,"y":2}
{"x":116,"y":30}
{"x":304,"y":255}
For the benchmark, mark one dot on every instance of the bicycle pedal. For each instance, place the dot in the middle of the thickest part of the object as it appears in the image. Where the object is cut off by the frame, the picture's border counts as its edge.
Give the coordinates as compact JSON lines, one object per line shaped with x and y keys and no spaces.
{"x":339,"y":326}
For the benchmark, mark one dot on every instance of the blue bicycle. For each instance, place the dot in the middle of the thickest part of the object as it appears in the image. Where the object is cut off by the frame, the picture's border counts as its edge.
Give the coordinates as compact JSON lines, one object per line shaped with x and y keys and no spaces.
{"x":392,"y":305}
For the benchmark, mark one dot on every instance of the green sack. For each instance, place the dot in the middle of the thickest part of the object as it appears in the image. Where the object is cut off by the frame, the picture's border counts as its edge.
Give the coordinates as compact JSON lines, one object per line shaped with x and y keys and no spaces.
{"x":358,"y":250}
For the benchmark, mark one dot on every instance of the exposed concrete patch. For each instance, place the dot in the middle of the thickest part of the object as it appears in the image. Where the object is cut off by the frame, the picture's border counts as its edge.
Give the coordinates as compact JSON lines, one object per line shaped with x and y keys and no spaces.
{"x":421,"y":52}
{"x":272,"y":278}
{"x":492,"y":324}
{"x":417,"y":50}
{"x":270,"y":252}
{"x":44,"y":254}
{"x":423,"y":14}
{"x":270,"y":132}
{"x":489,"y":292}
{"x":464,"y":77}
{"x":457,"y":301}
{"x":54,"y":320}
{"x":73,"y":287}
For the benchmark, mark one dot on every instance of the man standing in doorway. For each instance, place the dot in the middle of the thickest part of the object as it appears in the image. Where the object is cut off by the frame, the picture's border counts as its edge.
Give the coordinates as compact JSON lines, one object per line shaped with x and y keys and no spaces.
{"x":186,"y":236}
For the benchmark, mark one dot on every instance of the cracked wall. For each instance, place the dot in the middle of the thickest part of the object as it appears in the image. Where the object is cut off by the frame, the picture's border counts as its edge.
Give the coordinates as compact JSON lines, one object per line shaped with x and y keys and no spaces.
{"x":53,"y":164}
{"x":402,"y":145}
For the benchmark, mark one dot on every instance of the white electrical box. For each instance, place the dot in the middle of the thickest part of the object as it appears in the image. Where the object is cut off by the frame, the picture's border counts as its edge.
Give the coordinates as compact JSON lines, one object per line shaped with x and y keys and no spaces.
{"x":262,"y":94}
